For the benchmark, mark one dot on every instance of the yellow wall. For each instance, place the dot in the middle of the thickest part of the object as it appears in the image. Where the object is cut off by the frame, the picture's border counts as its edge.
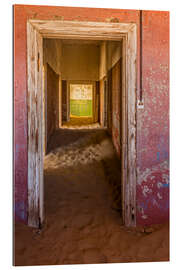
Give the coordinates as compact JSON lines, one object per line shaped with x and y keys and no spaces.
{"x":52,"y":53}
{"x":80,"y":62}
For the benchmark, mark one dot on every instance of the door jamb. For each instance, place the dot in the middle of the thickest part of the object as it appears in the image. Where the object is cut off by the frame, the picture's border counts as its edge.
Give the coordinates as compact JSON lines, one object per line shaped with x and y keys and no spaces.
{"x":95,"y":31}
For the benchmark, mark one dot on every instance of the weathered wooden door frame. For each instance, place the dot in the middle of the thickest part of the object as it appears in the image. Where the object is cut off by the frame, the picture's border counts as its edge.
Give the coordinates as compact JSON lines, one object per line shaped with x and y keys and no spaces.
{"x":36,"y":31}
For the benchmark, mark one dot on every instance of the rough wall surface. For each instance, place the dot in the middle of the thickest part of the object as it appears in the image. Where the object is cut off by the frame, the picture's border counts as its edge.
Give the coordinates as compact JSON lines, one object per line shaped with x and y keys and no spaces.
{"x":152,"y":122}
{"x":52,"y":101}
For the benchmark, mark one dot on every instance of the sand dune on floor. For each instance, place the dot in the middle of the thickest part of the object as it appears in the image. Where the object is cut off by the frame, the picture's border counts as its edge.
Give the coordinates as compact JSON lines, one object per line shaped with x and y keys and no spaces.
{"x":81,"y":223}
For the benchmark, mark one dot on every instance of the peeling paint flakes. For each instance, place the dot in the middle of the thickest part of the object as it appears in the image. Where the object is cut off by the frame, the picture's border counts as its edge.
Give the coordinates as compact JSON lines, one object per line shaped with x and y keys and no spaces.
{"x":154,"y":99}
{"x":166,"y":178}
{"x":155,"y":202}
{"x":159,"y":184}
{"x":142,"y":177}
{"x":146,"y":190}
{"x":159,"y":196}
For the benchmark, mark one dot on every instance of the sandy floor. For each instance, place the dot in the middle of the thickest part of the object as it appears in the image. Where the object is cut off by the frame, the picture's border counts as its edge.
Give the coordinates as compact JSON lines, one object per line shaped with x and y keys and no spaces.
{"x":83,"y":218}
{"x":82,"y":122}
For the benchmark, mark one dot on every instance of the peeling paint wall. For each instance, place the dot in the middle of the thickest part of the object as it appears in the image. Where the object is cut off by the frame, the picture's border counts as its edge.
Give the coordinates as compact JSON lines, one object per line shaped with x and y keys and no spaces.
{"x":152,"y":121}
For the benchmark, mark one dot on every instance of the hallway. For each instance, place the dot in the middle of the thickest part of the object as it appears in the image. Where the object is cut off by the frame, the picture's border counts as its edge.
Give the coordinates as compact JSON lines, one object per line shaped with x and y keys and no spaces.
{"x":82,"y":220}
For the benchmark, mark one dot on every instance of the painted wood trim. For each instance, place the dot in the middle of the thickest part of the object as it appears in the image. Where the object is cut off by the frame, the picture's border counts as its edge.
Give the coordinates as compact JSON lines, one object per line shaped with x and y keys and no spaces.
{"x":40,"y":90}
{"x":35,"y":128}
{"x":130,"y":184}
{"x":74,"y":29}
{"x":124,"y":127}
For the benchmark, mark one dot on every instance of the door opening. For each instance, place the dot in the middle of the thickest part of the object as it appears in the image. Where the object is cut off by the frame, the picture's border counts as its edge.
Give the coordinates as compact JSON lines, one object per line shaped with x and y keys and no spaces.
{"x":97,"y":106}
{"x":81,"y":100}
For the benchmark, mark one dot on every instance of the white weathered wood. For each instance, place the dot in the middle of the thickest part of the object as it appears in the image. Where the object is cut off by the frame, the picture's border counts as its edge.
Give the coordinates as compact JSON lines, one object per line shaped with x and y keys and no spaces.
{"x":130,"y":186}
{"x":124,"y":127}
{"x":72,"y":29}
{"x":41,"y":123}
{"x":35,"y":116}
{"x":37,"y":29}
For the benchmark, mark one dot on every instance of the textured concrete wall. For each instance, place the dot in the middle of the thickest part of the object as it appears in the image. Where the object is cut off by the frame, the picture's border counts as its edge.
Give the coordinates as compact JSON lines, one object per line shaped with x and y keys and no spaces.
{"x":152,"y":121}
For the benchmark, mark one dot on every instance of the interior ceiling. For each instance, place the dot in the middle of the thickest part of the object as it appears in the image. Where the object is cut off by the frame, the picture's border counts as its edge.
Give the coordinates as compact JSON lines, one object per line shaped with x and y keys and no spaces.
{"x":81,"y":41}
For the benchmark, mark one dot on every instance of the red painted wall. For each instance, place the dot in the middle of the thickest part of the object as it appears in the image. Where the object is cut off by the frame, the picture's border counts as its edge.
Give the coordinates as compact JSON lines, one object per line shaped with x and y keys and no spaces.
{"x":152,"y":121}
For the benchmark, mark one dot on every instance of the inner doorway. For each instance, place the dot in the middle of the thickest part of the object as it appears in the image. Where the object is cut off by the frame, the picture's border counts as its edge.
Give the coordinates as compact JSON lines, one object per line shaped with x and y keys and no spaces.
{"x":81,"y":96}
{"x":80,"y":103}
{"x":35,"y":88}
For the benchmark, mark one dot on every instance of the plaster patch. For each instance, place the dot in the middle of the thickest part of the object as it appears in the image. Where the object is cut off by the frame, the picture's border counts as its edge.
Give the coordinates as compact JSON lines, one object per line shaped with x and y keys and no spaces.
{"x":146,"y":190}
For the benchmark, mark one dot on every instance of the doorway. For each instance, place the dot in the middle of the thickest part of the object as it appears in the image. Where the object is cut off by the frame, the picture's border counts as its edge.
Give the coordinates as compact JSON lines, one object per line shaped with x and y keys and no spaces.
{"x":81,"y":100}
{"x":36,"y":31}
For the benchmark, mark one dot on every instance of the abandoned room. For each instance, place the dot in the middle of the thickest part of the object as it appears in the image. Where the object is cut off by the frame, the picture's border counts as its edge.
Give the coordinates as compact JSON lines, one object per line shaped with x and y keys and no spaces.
{"x":91,"y":154}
